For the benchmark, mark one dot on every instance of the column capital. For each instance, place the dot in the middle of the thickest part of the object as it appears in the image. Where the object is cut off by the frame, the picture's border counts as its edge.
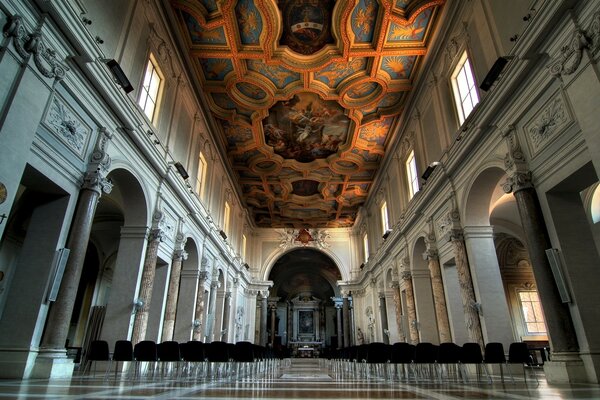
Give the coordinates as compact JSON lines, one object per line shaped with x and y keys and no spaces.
{"x":98,"y":166}
{"x":180,"y":255}
{"x":518,"y":181}
{"x":406,"y":275}
{"x":264,"y":294}
{"x":156,"y":235}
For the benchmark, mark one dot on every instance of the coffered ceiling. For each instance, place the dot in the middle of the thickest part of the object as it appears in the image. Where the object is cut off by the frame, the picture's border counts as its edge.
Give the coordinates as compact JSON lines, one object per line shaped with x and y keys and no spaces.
{"x":306,"y":95}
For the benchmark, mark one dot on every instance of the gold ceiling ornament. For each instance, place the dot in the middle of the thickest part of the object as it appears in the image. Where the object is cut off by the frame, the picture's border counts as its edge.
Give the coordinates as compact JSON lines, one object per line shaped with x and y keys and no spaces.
{"x":306,"y":95}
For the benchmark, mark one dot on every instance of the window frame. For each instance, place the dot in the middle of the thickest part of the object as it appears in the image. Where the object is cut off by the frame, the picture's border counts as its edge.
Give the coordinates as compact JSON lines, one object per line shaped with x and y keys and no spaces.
{"x":201,"y":180}
{"x":226,"y":217}
{"x":155,"y":72}
{"x":385,"y":221}
{"x":244,"y":244}
{"x":460,"y":98}
{"x":522,"y":311}
{"x":413,"y":181}
{"x":366,"y":247}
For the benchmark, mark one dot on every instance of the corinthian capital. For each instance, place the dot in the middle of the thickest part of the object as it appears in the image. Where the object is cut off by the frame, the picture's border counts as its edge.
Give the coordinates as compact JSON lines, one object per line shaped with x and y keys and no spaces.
{"x":517,"y":181}
{"x":97,"y":169}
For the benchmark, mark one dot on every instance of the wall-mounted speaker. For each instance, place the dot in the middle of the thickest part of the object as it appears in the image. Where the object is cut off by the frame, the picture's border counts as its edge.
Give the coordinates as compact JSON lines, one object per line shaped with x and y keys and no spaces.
{"x":494,"y":73}
{"x":119,"y":75}
{"x":60,"y":261}
{"x":556,"y":266}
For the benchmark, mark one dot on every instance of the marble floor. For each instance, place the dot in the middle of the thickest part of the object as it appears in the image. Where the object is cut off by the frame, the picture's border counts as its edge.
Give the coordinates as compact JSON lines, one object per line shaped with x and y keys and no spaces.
{"x":294,"y":379}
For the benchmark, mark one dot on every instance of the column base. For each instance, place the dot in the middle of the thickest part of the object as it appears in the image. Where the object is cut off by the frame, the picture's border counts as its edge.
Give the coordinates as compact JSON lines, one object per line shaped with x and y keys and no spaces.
{"x":565,"y":368}
{"x":16,"y":363}
{"x":53,"y":364}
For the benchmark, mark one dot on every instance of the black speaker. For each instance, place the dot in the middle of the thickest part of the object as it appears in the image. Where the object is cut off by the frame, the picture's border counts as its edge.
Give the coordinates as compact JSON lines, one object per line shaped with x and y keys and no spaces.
{"x":119,"y":75}
{"x":493,"y":74}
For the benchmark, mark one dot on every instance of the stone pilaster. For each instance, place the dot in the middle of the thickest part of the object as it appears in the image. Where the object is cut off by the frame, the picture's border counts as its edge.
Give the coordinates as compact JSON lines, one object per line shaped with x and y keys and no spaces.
{"x":346,"y":319}
{"x":94,"y":183}
{"x":273,"y":308}
{"x":145,"y":294}
{"x":226,"y":313}
{"x":437,"y":286}
{"x":410,"y":307}
{"x":340,"y":333}
{"x":199,"y":307}
{"x":384,"y":321}
{"x":212,"y":307}
{"x":466,"y":287}
{"x":173,"y":294}
{"x":398,"y":309}
{"x":263,"y":316}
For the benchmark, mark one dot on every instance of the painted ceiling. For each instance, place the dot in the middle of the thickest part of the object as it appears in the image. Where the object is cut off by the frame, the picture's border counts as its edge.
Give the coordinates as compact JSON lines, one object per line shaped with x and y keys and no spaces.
{"x":306,"y":95}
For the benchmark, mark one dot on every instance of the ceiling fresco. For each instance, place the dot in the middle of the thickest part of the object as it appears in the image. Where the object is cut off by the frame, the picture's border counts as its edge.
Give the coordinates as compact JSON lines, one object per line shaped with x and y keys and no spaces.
{"x":306,"y":95}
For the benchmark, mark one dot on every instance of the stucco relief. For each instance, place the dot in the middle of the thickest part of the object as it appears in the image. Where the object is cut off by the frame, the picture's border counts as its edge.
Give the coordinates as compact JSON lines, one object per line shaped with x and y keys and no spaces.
{"x":61,"y":120}
{"x":553,"y":118}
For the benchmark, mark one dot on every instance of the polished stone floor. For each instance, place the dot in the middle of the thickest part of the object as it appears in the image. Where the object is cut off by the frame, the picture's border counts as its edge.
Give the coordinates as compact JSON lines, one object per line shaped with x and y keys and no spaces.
{"x":295,"y":379}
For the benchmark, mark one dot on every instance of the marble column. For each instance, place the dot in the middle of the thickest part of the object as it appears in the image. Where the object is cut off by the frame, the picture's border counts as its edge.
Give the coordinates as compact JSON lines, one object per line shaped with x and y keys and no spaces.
{"x":384,"y":321}
{"x":398,"y":310}
{"x":173,"y":294}
{"x":94,"y":183}
{"x":145,"y":295}
{"x":273,"y":308}
{"x":212,"y":307}
{"x":466,"y":288}
{"x":199,"y":322}
{"x":263,"y":317}
{"x":410,"y":307}
{"x":290,"y":322}
{"x":346,"y":319}
{"x":338,"y":309}
{"x":226,"y":313}
{"x":439,"y":298}
{"x":561,"y":332}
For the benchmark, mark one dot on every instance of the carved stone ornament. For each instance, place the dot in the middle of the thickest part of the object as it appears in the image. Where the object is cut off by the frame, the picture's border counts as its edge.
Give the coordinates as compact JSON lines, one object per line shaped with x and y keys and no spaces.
{"x":67,"y":125}
{"x":570,"y":55}
{"x":180,"y":255}
{"x":551,"y":121}
{"x":594,"y":34}
{"x":448,"y":223}
{"x":95,"y":176}
{"x":517,"y":181}
{"x":304,"y":237}
{"x":33,"y":44}
{"x":156,"y":235}
{"x":406,"y":275}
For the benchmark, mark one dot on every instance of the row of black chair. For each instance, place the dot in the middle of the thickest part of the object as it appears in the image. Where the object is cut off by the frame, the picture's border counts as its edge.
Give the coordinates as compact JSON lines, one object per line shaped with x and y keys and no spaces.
{"x":428,"y":362}
{"x":193,"y":359}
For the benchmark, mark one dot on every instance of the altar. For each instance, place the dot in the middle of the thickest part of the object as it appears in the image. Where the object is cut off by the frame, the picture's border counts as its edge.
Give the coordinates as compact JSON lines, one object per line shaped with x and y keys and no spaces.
{"x":306,"y":349}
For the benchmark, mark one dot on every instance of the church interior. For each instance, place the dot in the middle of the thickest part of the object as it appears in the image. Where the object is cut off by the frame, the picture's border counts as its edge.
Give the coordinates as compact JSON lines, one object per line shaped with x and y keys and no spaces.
{"x":299,"y":199}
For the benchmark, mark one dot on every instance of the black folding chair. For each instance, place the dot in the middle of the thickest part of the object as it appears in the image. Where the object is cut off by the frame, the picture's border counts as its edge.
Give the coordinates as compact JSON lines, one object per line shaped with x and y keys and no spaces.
{"x":98,"y":351}
{"x":145,"y":351}
{"x":518,"y":353}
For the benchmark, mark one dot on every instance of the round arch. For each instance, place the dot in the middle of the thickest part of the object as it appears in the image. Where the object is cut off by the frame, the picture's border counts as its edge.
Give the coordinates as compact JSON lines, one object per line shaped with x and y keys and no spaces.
{"x":304,"y":270}
{"x":482,"y":194}
{"x":277,"y":254}
{"x":130,"y":195}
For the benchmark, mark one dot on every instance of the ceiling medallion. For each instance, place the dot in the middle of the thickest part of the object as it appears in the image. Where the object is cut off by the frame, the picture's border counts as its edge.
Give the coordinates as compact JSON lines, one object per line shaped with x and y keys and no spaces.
{"x":304,"y":237}
{"x":307,"y":26}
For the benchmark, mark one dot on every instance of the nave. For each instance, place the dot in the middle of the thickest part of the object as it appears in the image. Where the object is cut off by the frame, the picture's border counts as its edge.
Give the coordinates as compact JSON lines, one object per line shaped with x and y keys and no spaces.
{"x":293,"y":379}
